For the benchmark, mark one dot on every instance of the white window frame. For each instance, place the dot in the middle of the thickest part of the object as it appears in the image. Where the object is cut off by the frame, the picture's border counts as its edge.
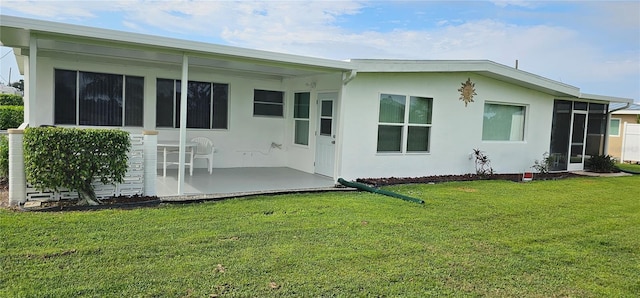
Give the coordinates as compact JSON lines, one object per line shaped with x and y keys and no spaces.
{"x":123,"y":110}
{"x":404,"y":137}
{"x":296,"y":119}
{"x":619,"y":126}
{"x":280,"y":104}
{"x":211,"y":103}
{"x":524,"y":121}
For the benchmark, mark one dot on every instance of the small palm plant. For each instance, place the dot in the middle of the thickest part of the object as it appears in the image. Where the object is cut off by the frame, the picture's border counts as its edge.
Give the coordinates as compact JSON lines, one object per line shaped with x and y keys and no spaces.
{"x":483,"y":163}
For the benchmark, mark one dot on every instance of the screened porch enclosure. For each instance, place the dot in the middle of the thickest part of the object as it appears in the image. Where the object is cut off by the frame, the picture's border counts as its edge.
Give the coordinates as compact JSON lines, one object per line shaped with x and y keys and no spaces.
{"x":578,"y":132}
{"x":242,"y":100}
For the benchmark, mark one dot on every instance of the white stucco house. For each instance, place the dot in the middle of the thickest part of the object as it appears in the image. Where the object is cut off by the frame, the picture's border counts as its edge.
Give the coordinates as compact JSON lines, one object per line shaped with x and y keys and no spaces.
{"x":349,"y":119}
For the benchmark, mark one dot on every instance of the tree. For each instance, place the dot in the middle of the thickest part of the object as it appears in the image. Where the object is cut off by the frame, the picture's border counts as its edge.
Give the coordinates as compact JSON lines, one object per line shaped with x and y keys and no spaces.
{"x":18,"y":85}
{"x":73,"y":158}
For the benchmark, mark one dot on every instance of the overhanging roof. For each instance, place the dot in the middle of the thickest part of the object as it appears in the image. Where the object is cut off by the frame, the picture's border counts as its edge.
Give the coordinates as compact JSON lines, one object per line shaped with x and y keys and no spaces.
{"x":485,"y":68}
{"x":64,"y":39}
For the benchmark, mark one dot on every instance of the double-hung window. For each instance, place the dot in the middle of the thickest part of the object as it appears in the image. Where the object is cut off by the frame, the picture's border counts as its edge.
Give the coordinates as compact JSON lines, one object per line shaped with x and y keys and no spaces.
{"x":404,"y":123}
{"x":301,"y":118}
{"x":97,"y":99}
{"x":268,"y":103}
{"x":206,"y":104}
{"x":503,"y":122}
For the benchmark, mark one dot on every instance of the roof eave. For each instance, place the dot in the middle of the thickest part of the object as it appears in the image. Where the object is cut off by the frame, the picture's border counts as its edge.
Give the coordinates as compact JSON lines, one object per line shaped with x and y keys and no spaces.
{"x":483,"y":67}
{"x":37,"y":26}
{"x":597,"y":97}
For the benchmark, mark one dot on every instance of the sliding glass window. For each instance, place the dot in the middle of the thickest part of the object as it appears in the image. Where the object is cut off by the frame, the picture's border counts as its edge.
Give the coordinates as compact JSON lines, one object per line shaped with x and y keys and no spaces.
{"x":97,"y":99}
{"x":206,"y":104}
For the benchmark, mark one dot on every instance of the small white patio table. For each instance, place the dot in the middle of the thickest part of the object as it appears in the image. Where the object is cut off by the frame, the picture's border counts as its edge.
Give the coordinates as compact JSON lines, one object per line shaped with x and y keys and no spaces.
{"x":174,"y":147}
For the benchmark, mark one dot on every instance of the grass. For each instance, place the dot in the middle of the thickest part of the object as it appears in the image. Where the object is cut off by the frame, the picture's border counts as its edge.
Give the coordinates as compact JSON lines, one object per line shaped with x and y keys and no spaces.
{"x":574,"y":237}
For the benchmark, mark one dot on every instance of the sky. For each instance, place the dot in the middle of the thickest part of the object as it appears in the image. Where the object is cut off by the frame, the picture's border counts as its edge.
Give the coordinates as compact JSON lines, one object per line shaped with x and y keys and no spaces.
{"x":592,"y":45}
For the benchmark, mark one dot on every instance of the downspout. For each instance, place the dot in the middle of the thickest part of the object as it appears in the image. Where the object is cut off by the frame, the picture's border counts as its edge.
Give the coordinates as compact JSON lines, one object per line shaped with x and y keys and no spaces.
{"x":620,"y":108}
{"x":364,"y":187}
{"x":606,"y":140}
{"x":348,"y":78}
{"x":183,"y":122}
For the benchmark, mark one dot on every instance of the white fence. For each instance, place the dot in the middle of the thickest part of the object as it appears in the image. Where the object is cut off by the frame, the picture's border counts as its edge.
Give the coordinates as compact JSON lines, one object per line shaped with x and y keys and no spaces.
{"x":631,"y":142}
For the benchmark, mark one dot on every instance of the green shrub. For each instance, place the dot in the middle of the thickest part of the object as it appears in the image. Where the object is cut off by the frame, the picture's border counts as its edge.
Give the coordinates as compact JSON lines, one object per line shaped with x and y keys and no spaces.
{"x":4,"y":156}
{"x":72,"y":158}
{"x":543,"y":165}
{"x":601,"y":164}
{"x":11,"y":100}
{"x":11,"y":116}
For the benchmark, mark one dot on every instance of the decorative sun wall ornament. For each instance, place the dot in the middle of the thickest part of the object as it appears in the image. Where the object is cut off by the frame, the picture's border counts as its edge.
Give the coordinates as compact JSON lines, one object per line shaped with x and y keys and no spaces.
{"x":467,"y":91}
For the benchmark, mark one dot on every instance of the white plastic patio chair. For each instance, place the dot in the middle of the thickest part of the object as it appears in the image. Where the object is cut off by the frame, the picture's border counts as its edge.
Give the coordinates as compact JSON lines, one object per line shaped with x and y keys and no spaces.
{"x":204,"y":150}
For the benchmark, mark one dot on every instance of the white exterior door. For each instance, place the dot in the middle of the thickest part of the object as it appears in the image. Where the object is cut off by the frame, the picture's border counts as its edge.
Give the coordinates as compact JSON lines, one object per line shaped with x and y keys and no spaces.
{"x":325,"y":134}
{"x":578,"y":140}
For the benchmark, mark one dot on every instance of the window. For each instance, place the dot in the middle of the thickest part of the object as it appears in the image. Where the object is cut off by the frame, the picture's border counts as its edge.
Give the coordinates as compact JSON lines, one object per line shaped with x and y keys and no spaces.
{"x":206,"y":104}
{"x":301,"y":118}
{"x":503,"y":122}
{"x":98,"y":99}
{"x":268,"y":103}
{"x":614,"y":127}
{"x":401,"y":129}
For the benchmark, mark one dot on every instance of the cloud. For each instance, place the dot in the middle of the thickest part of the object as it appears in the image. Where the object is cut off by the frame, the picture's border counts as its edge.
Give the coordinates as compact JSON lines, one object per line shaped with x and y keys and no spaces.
{"x":59,"y":10}
{"x":520,"y":3}
{"x":559,"y":44}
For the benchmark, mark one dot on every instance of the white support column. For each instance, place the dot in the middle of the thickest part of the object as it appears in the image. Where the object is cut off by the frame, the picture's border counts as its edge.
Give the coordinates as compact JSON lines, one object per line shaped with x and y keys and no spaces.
{"x":17,"y":177}
{"x":150,"y":139}
{"x":183,"y":122}
{"x":31,"y":82}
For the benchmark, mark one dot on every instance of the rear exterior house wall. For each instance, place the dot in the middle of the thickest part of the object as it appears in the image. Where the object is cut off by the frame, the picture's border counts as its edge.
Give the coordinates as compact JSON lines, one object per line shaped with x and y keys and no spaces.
{"x":301,"y":157}
{"x":456,"y":130}
{"x":246,"y":142}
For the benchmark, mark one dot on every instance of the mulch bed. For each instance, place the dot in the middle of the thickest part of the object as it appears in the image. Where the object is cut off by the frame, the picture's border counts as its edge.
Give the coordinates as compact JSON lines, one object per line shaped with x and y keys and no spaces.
{"x":4,"y":184}
{"x":377,"y":182}
{"x":121,"y":202}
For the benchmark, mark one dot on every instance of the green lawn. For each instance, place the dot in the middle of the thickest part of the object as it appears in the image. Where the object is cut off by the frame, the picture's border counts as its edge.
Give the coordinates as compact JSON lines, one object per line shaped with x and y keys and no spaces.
{"x":577,"y":237}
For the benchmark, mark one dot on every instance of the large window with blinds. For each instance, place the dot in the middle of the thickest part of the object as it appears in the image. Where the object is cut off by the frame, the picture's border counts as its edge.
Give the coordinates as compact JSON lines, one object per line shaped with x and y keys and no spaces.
{"x":97,"y":99}
{"x":404,"y":123}
{"x":206,"y":104}
{"x":503,"y":122}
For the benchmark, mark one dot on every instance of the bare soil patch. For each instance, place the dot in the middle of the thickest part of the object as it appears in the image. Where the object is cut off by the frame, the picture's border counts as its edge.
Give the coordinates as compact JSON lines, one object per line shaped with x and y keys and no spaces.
{"x":121,"y":202}
{"x":4,"y":192}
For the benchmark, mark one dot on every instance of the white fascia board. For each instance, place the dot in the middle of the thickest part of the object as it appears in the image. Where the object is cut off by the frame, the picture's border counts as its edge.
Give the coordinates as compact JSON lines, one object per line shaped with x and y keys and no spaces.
{"x":480,"y":66}
{"x":605,"y":98}
{"x":178,"y":45}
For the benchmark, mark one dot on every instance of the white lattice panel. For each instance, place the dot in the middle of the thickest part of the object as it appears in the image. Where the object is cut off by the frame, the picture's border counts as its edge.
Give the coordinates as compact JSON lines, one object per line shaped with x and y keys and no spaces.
{"x":133,"y":183}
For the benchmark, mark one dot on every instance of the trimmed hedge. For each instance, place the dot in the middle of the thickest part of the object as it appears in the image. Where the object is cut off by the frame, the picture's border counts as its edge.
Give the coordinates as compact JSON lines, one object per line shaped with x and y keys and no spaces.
{"x":4,"y":156}
{"x":11,"y":100}
{"x":57,"y":157}
{"x":11,"y":116}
